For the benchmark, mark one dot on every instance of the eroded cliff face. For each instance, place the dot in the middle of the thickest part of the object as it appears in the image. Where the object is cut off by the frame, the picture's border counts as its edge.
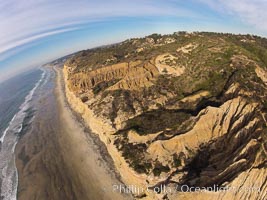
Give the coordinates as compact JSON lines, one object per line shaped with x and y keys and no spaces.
{"x":186,"y":113}
{"x":132,"y":75}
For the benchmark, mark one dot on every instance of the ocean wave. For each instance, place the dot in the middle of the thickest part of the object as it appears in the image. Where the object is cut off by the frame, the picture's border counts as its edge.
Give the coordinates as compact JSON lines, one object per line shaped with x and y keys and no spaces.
{"x":24,"y":106}
{"x":9,"y":140}
{"x":5,"y":131}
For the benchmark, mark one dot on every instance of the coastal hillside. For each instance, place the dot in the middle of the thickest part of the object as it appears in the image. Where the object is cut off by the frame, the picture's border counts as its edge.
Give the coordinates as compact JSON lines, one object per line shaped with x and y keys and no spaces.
{"x":179,"y":109}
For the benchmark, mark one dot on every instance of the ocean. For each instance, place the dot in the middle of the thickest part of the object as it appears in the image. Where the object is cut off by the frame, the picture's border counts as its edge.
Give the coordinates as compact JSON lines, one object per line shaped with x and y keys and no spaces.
{"x":16,"y":114}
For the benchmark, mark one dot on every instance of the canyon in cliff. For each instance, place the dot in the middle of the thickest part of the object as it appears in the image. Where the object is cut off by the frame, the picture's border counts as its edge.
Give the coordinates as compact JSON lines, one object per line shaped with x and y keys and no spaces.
{"x":177,"y":112}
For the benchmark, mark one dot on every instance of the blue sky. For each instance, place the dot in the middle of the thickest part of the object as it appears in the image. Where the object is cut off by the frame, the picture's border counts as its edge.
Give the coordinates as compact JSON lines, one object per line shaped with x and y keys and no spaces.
{"x":34,"y":32}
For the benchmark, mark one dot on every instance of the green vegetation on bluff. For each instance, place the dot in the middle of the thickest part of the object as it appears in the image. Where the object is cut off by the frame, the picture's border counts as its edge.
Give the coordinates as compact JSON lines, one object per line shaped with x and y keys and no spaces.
{"x":170,"y":105}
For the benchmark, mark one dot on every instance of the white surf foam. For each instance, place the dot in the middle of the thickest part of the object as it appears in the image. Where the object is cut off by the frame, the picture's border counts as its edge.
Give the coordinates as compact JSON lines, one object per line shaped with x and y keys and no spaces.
{"x":5,"y":132}
{"x":9,"y":140}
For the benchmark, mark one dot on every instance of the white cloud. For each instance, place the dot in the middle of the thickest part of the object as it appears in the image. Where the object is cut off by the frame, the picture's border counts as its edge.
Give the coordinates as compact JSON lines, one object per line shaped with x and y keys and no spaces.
{"x":32,"y":38}
{"x":250,"y":12}
{"x":24,"y":21}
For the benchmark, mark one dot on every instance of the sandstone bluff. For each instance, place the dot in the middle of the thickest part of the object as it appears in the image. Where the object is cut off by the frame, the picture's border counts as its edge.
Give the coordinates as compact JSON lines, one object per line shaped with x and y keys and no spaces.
{"x":180,"y":109}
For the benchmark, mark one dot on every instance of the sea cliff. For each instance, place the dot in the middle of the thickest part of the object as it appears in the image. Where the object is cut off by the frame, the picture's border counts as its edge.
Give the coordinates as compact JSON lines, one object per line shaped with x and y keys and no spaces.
{"x":189,"y":112}
{"x":105,"y":132}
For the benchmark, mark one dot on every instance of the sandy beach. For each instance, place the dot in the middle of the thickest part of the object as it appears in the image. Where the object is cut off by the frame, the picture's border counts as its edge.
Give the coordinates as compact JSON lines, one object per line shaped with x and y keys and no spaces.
{"x":58,"y":158}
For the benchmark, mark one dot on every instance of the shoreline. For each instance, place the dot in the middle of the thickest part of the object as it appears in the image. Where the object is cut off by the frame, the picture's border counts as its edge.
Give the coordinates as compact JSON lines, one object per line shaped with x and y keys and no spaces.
{"x":99,"y":145}
{"x":49,"y":154}
{"x":20,"y":115}
{"x":93,"y":139}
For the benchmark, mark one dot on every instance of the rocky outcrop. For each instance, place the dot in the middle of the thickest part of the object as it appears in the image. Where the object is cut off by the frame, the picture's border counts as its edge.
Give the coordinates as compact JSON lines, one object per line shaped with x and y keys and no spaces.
{"x":83,"y":82}
{"x":132,"y":75}
{"x":166,"y":64}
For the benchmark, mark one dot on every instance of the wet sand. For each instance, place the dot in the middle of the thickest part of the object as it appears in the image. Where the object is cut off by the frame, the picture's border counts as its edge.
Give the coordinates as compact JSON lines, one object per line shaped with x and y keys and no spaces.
{"x":57,"y":159}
